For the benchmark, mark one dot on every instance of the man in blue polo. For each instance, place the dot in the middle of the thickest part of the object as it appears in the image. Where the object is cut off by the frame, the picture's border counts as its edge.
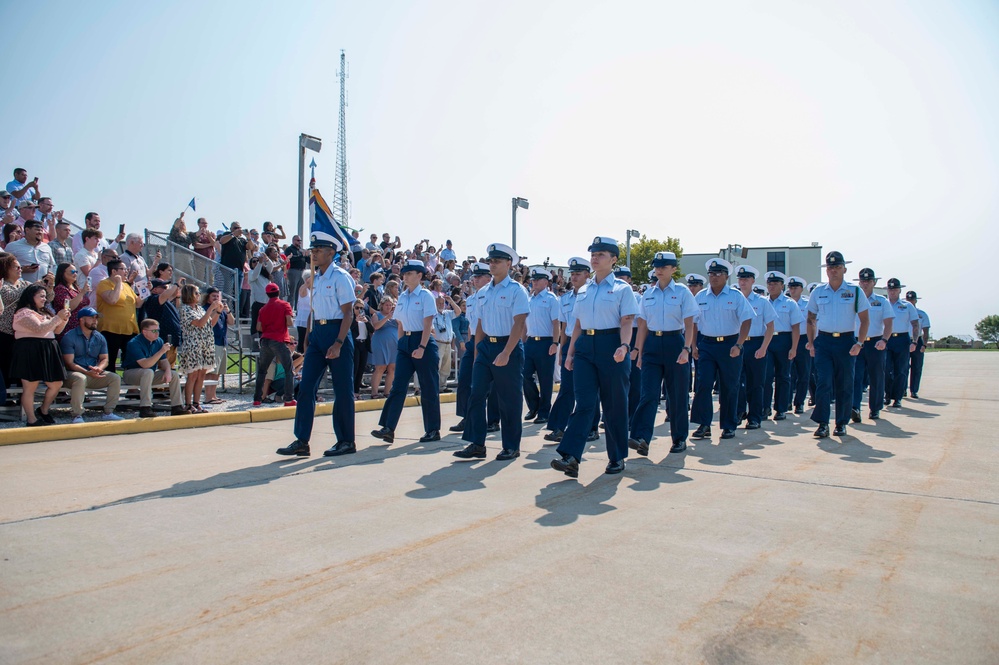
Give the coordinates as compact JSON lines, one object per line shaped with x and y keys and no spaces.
{"x":85,"y":352}
{"x":499,"y":358}
{"x":330,"y":347}
{"x":721,"y":327}
{"x":833,"y":310}
{"x":871,"y":360}
{"x":540,"y":347}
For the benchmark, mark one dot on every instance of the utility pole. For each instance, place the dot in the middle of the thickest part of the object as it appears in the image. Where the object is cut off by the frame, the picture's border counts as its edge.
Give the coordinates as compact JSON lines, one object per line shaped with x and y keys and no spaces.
{"x":340,"y":203}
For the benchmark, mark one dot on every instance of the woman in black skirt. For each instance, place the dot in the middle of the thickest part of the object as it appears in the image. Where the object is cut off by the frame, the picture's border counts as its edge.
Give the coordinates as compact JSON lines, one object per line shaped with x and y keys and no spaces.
{"x":36,"y":353}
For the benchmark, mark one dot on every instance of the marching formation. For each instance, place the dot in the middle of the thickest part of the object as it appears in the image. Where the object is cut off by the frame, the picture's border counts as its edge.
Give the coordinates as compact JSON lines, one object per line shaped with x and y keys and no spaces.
{"x":619,"y":351}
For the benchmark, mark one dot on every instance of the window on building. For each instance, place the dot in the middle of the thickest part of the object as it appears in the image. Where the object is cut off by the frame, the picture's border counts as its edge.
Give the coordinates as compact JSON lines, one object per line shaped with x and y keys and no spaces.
{"x":776,"y":261}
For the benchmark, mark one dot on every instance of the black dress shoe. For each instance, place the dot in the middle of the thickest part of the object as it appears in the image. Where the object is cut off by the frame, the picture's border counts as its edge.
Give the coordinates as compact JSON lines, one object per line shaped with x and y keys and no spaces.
{"x":507,"y":454}
{"x":554,"y":436}
{"x":780,"y":416}
{"x":593,"y":436}
{"x":342,"y":448}
{"x":531,"y":415}
{"x":541,"y":420}
{"x":874,"y":415}
{"x":385,"y":434}
{"x":702,"y":432}
{"x":567,"y":465}
{"x":728,"y":434}
{"x":44,"y":417}
{"x":615,"y":467}
{"x":471,"y":451}
{"x":811,"y":401}
{"x":431,"y":436}
{"x":640,"y":446}
{"x":147,"y":412}
{"x":678,"y":447}
{"x":822,"y":432}
{"x":296,"y":448}
{"x":492,"y":428}
{"x":752,"y":425}
{"x":855,"y":415}
{"x":897,"y":404}
{"x":840,"y":430}
{"x":743,"y":416}
{"x":38,"y":423}
{"x":766,"y":414}
{"x":798,"y":410}
{"x":914,"y":396}
{"x":460,"y":427}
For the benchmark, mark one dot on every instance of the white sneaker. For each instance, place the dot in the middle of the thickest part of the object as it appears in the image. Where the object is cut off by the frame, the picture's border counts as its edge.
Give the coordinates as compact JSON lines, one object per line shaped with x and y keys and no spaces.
{"x":77,"y":420}
{"x":110,"y":417}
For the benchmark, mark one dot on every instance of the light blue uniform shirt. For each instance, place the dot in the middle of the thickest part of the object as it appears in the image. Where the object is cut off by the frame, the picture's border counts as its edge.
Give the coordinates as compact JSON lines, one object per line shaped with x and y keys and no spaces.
{"x":721,"y":315}
{"x":924,"y":320}
{"x":803,"y":308}
{"x":500,"y":303}
{"x":788,"y":313}
{"x":567,"y":314}
{"x":413,"y":307}
{"x":472,"y":306}
{"x":544,"y":310}
{"x":600,"y":305}
{"x":666,"y":309}
{"x":905,"y":314}
{"x":837,"y":309}
{"x":763,"y":314}
{"x":331,"y":290}
{"x":880,"y":310}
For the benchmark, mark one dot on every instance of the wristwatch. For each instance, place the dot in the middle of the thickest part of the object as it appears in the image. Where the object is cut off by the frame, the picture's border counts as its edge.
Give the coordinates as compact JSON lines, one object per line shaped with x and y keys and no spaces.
{"x":688,"y":349}
{"x":423,"y":346}
{"x":739,"y":346}
{"x":338,"y":341}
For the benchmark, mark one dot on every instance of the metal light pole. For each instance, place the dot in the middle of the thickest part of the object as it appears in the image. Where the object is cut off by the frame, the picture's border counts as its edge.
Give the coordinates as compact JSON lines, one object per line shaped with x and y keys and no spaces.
{"x":305,"y":142}
{"x":631,"y":233}
{"x":517,"y":202}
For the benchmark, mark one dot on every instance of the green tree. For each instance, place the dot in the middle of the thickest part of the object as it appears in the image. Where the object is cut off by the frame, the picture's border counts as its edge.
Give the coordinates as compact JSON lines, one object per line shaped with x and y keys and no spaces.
{"x":988,"y":329}
{"x":644,"y":250}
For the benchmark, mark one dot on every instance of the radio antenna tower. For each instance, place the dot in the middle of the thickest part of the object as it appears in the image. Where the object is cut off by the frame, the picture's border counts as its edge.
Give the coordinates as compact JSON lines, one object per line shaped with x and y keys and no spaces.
{"x":340,"y":192}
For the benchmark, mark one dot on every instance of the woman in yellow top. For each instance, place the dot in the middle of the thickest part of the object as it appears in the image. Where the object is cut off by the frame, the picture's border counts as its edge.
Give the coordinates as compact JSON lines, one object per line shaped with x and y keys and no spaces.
{"x":116,"y":303}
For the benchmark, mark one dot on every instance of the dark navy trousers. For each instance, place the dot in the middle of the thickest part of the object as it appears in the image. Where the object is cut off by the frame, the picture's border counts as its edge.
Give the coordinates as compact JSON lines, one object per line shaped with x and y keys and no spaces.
{"x":751,"y":381}
{"x":801,"y":372}
{"x":897,"y":366}
{"x":916,"y":366}
{"x":341,"y":372}
{"x":871,"y":361}
{"x":658,"y":366}
{"x":507,"y":384}
{"x":465,"y":387}
{"x":538,"y":361}
{"x":714,"y":362}
{"x":426,"y":369}
{"x":566,"y":400}
{"x":598,"y":377}
{"x":835,"y":368}
{"x":635,"y":380}
{"x":777,"y":382}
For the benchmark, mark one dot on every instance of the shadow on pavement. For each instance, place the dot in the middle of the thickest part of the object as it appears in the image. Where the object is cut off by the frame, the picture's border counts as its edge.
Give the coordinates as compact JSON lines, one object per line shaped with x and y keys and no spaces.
{"x":649,"y":476}
{"x":459,"y":476}
{"x":721,"y":453}
{"x":566,"y":500}
{"x":883,"y":428}
{"x":851,"y":449}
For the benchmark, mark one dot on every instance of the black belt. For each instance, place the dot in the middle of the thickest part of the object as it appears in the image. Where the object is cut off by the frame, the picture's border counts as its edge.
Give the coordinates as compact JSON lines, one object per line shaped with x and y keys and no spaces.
{"x":407,"y":333}
{"x":900,"y":334}
{"x":605,"y":331}
{"x":664,"y":333}
{"x":323,"y":322}
{"x":726,"y":338}
{"x":835,"y":334}
{"x":538,"y":339}
{"x":503,"y":339}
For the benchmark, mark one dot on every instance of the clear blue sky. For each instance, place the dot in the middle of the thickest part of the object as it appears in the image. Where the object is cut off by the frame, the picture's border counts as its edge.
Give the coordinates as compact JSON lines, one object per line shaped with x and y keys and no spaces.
{"x":866,"y":126}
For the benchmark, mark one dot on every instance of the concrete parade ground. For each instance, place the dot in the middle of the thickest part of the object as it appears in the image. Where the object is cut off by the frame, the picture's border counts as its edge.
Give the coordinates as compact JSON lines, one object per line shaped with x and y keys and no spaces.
{"x":203,"y":546}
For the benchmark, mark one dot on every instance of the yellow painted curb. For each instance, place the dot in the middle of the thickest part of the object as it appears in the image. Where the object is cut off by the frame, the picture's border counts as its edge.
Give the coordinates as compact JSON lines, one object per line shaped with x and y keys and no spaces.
{"x":9,"y":437}
{"x":133,"y":426}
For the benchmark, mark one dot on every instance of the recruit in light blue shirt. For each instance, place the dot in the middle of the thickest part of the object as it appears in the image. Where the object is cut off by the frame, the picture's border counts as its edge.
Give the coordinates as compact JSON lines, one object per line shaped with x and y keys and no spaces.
{"x":880,"y":310}
{"x":413,"y":307}
{"x":788,"y":313}
{"x":803,"y":308}
{"x":472,"y":307}
{"x":544,"y":310}
{"x":721,"y":315}
{"x":905,"y":314}
{"x":567,"y":314}
{"x":500,"y":303}
{"x":763,"y":314}
{"x":666,"y":309}
{"x":331,"y":290}
{"x":836,"y":309}
{"x":601,"y":305}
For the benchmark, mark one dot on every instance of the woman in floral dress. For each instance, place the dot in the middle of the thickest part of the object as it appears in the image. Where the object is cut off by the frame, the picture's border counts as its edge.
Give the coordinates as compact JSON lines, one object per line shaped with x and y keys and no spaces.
{"x":197,"y":350}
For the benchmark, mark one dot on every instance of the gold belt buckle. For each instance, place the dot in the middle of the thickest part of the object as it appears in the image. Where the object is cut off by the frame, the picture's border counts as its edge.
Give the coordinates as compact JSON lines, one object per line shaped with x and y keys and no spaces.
{"x":837,"y":334}
{"x":591,"y":332}
{"x":536,"y":339}
{"x":776,"y":333}
{"x":321,"y":322}
{"x":719,"y":339}
{"x":493,"y":340}
{"x":659,"y":333}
